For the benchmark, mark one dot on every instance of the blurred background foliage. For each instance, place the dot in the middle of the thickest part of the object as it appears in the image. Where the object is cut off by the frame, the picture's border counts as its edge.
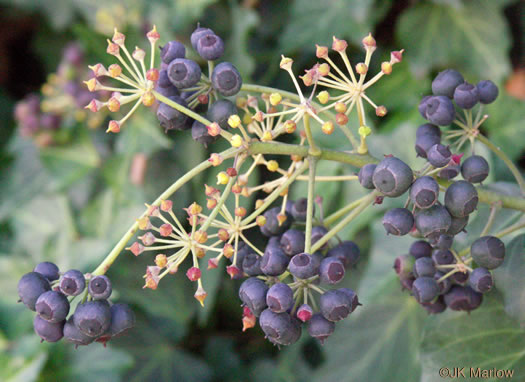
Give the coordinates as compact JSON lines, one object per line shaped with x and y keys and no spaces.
{"x":68,"y":194}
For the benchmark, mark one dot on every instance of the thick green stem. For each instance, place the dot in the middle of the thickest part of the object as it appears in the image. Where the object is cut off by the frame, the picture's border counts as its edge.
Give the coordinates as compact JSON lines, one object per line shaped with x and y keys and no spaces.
{"x":310,"y":204}
{"x":115,"y":252}
{"x":340,"y":213}
{"x":314,"y":150}
{"x":512,"y":167}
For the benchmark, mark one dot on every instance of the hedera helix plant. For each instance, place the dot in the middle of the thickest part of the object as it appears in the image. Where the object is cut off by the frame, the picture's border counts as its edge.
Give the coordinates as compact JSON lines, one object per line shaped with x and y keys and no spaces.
{"x":289,"y":282}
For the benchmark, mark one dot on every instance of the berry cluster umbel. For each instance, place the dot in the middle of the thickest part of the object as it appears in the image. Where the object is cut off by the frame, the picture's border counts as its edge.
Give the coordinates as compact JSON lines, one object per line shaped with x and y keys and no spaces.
{"x":49,"y":293}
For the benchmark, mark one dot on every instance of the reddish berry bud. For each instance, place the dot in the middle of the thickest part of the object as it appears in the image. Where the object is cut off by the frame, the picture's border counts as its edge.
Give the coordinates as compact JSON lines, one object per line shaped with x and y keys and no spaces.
{"x":228,"y":250}
{"x":203,"y":99}
{"x":456,"y":158}
{"x":213,"y":263}
{"x":339,"y":45}
{"x":321,"y":51}
{"x":381,"y":111}
{"x":248,"y":322}
{"x":193,"y":274}
{"x":341,"y":119}
{"x":233,"y":271}
{"x":304,"y":313}
{"x":231,"y":171}
{"x":166,"y":205}
{"x":200,"y":295}
{"x":223,"y":234}
{"x":147,"y":239}
{"x":166,"y":229}
{"x":396,"y":56}
{"x":161,"y":260}
{"x":136,"y":248}
{"x":113,"y":127}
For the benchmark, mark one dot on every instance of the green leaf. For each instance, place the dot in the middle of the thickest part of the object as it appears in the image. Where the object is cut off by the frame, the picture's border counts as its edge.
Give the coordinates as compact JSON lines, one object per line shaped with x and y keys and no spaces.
{"x":312,"y":21}
{"x":385,"y":331}
{"x":486,"y":339}
{"x":510,"y":281}
{"x":472,"y":36}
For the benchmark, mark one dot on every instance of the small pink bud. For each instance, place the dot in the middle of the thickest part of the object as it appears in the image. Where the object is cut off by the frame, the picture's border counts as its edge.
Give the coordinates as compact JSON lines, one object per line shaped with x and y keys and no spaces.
{"x":213,"y":263}
{"x":152,"y":75}
{"x":166,"y":205}
{"x":113,"y":127}
{"x":381,"y":111}
{"x":396,"y":56}
{"x":369,"y":42}
{"x":153,"y":35}
{"x":193,"y":274}
{"x":113,"y":49}
{"x":304,"y":313}
{"x":456,"y":158}
{"x":321,"y":51}
{"x":98,"y":70}
{"x":94,"y":105}
{"x":118,"y":37}
{"x":214,"y":129}
{"x":165,"y":229}
{"x":233,"y":271}
{"x":203,"y":99}
{"x":148,"y":239}
{"x":339,"y":45}
{"x":136,"y":248}
{"x":231,"y":172}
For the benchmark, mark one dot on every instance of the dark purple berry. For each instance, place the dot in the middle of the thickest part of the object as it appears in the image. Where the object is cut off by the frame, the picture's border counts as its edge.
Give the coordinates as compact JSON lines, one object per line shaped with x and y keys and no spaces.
{"x":320,"y":328}
{"x":72,"y":283}
{"x":488,"y":252}
{"x":398,"y":221}
{"x":462,"y":298}
{"x":197,"y":34}
{"x":425,"y":142}
{"x":279,"y":298}
{"x":303,"y":266}
{"x":93,"y":318}
{"x":422,"y":107}
{"x":279,"y":328}
{"x":122,"y":319}
{"x":439,"y":155}
{"x":459,"y":277}
{"x":461,"y":198}
{"x":466,"y":96}
{"x":446,"y":82}
{"x":199,"y":133}
{"x":30,"y":287}
{"x":226,"y":79}
{"x":425,"y":289}
{"x":168,"y":91}
{"x":171,"y":51}
{"x":252,"y":293}
{"x":184,"y":73}
{"x":365,"y":176}
{"x":48,"y":331}
{"x":488,"y":91}
{"x":443,"y":257}
{"x":52,"y":306}
{"x":475,"y":169}
{"x":435,"y":307}
{"x":75,"y":336}
{"x":99,"y":287}
{"x":317,"y":234}
{"x":433,"y":222}
{"x":449,"y":172}
{"x":424,"y":267}
{"x":331,"y":270}
{"x":251,"y":264}
{"x":424,"y":192}
{"x":440,"y":111}
{"x":457,"y":225}
{"x":272,"y":227}
{"x":392,"y":177}
{"x":171,"y":118}
{"x":48,"y":270}
{"x":299,"y":209}
{"x":428,"y":128}
{"x":335,"y":305}
{"x":164,"y":81}
{"x":352,"y":296}
{"x":292,"y":242}
{"x":481,"y":280}
{"x":274,"y":262}
{"x":444,"y":241}
{"x":420,"y":248}
{"x":347,"y":252}
{"x":210,"y":46}
{"x":220,"y":111}
{"x":445,"y":284}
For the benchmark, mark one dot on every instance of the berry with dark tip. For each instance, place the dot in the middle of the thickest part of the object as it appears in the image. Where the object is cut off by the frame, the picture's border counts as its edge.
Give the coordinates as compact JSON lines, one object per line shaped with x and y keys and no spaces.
{"x":171,"y":51}
{"x":226,"y":79}
{"x":183,"y":73}
{"x":475,"y":169}
{"x":422,"y":107}
{"x":75,"y":336}
{"x":435,"y":307}
{"x":279,"y":298}
{"x":347,"y":252}
{"x":48,"y":331}
{"x":320,"y":328}
{"x":440,"y":111}
{"x":466,"y":96}
{"x":272,"y":227}
{"x":449,"y":172}
{"x":292,"y":242}
{"x":425,"y":289}
{"x":461,"y":198}
{"x":122,"y":319}
{"x":220,"y":111}
{"x":488,"y":91}
{"x":251,"y":264}
{"x":48,"y":270}
{"x":274,"y":261}
{"x":392,"y":177}
{"x":331,"y":270}
{"x":199,"y":133}
{"x":488,"y":252}
{"x":439,"y":155}
{"x":197,"y":34}
{"x":171,"y":118}
{"x":398,"y":221}
{"x":403,"y":265}
{"x":30,"y":287}
{"x":72,"y":283}
{"x":210,"y":46}
{"x":252,"y":293}
{"x":446,"y":82}
{"x":457,"y":225}
{"x":428,"y":128}
{"x":433,"y":221}
{"x":420,"y":248}
{"x":304,"y":313}
{"x":481,"y":280}
{"x":443,"y":257}
{"x":93,"y":318}
{"x":365,"y":176}
{"x":299,"y":209}
{"x":52,"y":306}
{"x":425,"y":142}
{"x":459,"y":277}
{"x":424,"y":192}
{"x":279,"y":328}
{"x":424,"y":267}
{"x":99,"y":287}
{"x":352,"y":296}
{"x":303,"y":266}
{"x":317,"y":234}
{"x":444,"y":241}
{"x":335,"y":305}
{"x":445,"y":284}
{"x":462,"y":298}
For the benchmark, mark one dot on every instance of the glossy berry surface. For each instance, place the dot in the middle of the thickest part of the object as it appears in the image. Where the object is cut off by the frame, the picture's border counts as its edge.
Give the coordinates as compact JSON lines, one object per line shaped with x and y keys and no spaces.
{"x":444,"y":241}
{"x":210,"y":46}
{"x":72,"y":283}
{"x":422,"y":107}
{"x":75,"y":336}
{"x":52,"y":306}
{"x":317,"y":234}
{"x":420,"y":248}
{"x":425,"y":289}
{"x":303,"y":266}
{"x":347,"y":252}
{"x":457,"y":225}
{"x":220,"y":111}
{"x":197,"y":34}
{"x":440,"y":111}
{"x":488,"y":91}
{"x":171,"y":51}
{"x":199,"y":133}
{"x":392,"y":177}
{"x":279,"y":328}
{"x":251,"y":264}
{"x":272,"y":227}
{"x":462,"y":298}
{"x":320,"y":328}
{"x":292,"y":242}
{"x":461,"y":198}
{"x":279,"y":298}
{"x":183,"y":73}
{"x":428,"y":128}
{"x":424,"y":267}
{"x":481,"y":280}
{"x":48,"y":270}
{"x":99,"y":287}
{"x":331,"y":270}
{"x":398,"y":221}
{"x":170,"y":118}
{"x":425,"y":142}
{"x":335,"y":305}
{"x":122,"y":319}
{"x":446,"y":83}
{"x":93,"y":318}
{"x":30,"y":287}
{"x":226,"y":79}
{"x":449,"y":172}
{"x":443,"y":257}
{"x":48,"y":331}
{"x":433,"y":221}
{"x":439,"y":155}
{"x":475,"y":169}
{"x":299,"y":209}
{"x":488,"y":252}
{"x":466,"y":96}
{"x":274,"y":261}
{"x":365,"y":176}
{"x":252,"y":293}
{"x":424,"y":192}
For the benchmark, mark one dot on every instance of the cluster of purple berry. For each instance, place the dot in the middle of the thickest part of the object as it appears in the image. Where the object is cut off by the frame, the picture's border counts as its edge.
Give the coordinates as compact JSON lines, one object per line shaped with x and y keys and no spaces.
{"x":436,"y":274}
{"x":283,"y":306}
{"x":181,"y":80}
{"x":49,"y":294}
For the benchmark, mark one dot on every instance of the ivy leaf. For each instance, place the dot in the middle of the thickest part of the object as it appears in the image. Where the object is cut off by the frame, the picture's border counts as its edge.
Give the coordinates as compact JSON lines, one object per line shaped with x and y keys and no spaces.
{"x":487,"y":338}
{"x":466,"y":39}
